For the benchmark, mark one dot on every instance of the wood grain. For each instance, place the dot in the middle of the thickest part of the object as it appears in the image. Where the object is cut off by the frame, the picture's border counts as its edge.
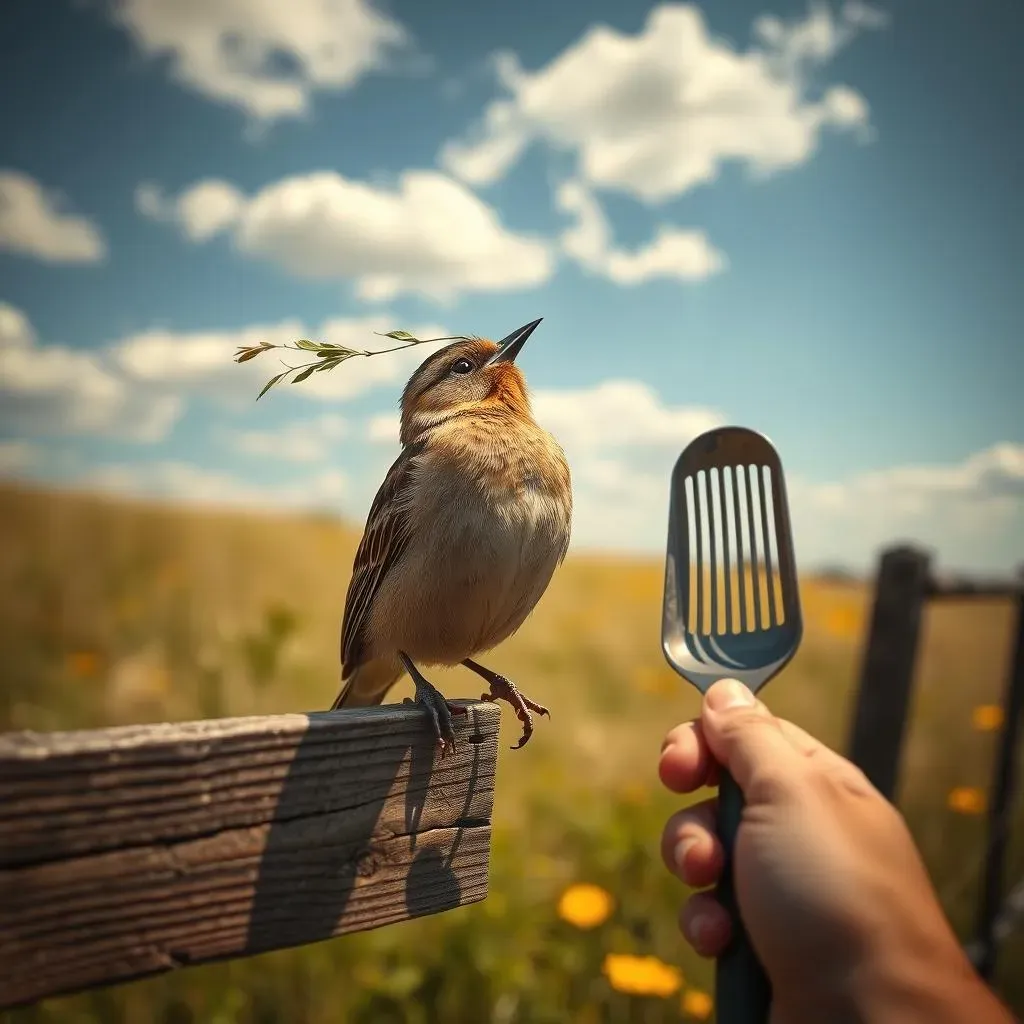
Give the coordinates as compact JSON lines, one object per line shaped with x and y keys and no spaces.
{"x":130,"y":851}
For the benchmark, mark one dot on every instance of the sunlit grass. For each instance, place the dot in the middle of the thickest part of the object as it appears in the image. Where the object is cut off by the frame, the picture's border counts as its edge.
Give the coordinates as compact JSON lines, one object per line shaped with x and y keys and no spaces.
{"x":116,"y":613}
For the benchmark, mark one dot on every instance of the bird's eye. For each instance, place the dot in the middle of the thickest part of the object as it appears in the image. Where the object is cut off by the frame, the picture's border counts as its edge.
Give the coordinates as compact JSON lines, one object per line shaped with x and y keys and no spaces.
{"x":462,"y":366}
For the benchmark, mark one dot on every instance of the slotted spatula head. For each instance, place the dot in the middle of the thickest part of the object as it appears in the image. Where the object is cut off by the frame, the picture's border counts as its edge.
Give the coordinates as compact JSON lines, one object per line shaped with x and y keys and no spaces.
{"x":731,"y":609}
{"x":732,"y":604}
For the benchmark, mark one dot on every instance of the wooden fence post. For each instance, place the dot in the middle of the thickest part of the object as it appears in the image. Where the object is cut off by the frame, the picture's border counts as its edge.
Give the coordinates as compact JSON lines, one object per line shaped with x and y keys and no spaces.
{"x":887,"y":668}
{"x":1000,"y":813}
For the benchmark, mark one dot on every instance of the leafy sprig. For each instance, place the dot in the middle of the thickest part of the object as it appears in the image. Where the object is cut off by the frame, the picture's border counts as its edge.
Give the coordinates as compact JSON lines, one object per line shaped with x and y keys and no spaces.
{"x":328,"y":355}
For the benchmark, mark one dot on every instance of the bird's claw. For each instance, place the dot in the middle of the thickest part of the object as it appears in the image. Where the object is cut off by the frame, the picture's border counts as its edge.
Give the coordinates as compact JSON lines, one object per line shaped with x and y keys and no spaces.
{"x":440,"y":713}
{"x":502,"y":688}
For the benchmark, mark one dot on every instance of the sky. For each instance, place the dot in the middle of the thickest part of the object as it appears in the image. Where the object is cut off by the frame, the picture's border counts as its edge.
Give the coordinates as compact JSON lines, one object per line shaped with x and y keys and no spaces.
{"x":805,"y":219}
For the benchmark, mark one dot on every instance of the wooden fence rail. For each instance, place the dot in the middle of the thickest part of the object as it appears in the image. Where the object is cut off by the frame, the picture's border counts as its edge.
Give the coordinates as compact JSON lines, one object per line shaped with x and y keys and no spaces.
{"x":904,"y":584}
{"x":130,"y":851}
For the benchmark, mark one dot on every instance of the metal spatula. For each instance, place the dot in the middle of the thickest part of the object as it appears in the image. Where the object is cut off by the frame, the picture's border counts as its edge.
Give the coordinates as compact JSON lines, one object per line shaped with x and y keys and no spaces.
{"x":731,"y":609}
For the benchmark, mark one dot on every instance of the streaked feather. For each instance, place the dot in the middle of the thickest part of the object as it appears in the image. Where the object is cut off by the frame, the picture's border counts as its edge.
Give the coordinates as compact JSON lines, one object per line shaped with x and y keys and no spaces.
{"x":384,"y":539}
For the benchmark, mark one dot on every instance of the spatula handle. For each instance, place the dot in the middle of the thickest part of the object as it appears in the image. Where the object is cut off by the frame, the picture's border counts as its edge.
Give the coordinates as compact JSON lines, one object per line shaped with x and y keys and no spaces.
{"x":743,"y":993}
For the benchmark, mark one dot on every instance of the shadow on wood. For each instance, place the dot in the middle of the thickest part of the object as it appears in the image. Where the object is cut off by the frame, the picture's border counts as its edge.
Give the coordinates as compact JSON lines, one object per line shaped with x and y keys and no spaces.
{"x":127,"y":852}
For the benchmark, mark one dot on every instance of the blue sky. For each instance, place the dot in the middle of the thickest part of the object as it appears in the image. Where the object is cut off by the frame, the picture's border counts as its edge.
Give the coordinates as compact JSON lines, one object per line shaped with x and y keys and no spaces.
{"x":806,"y":219}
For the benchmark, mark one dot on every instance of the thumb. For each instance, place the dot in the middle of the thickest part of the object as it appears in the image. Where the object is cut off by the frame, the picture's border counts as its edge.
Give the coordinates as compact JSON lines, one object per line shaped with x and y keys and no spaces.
{"x":742,"y":733}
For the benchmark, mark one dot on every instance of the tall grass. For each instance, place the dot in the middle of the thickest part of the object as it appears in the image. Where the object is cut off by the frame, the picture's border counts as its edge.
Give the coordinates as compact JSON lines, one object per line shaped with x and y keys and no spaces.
{"x":112,"y":613}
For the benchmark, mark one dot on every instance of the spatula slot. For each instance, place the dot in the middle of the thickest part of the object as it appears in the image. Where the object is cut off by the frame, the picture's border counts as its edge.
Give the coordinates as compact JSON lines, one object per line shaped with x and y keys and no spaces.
{"x":734,"y":580}
{"x":772,"y":556}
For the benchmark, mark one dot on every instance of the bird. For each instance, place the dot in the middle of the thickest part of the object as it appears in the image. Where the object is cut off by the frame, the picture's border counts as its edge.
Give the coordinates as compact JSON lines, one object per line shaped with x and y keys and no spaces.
{"x":463,"y":536}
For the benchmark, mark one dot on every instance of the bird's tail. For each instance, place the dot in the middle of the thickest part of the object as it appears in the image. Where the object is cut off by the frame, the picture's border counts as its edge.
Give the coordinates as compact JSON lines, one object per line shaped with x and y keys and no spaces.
{"x":369,"y":683}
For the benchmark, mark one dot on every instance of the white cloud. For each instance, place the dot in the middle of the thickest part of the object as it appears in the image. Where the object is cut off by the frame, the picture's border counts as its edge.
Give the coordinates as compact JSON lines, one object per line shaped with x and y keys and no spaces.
{"x":16,"y":457}
{"x":617,"y":414}
{"x":426,"y":234}
{"x":970,"y":512}
{"x":32,"y":224}
{"x":384,"y":428}
{"x":52,"y":389}
{"x":314,"y":440}
{"x":658,"y":113}
{"x":266,"y":59}
{"x":203,"y":211}
{"x":674,"y":253}
{"x":621,"y":441}
{"x":957,"y":508}
{"x":191,"y":484}
{"x":204,"y":360}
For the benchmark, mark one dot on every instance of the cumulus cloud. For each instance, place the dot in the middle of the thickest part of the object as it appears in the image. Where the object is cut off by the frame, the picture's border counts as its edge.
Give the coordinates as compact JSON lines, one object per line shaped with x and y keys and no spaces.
{"x":618,"y":414}
{"x":203,"y":211}
{"x":426,"y":234}
{"x":383,"y":428}
{"x":52,"y":389}
{"x":968,"y":512}
{"x":683,"y":255}
{"x":954,"y":507}
{"x":32,"y":224}
{"x":16,"y":457}
{"x":312,"y":440}
{"x":660,"y":112}
{"x":265,"y":59}
{"x":621,"y":440}
{"x":185,"y":482}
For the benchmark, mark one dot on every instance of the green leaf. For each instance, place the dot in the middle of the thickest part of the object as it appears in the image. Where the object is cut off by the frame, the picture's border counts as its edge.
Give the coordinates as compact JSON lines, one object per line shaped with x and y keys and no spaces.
{"x":305,"y":373}
{"x":401,"y":336}
{"x":270,"y":383}
{"x":309,"y":346}
{"x":330,"y":365}
{"x":247,"y":353}
{"x":338,"y":352}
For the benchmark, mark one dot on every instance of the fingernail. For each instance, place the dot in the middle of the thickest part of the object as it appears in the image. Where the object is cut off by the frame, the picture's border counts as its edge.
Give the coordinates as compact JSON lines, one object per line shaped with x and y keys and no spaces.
{"x":682,"y":850}
{"x":698,"y":928}
{"x":728,"y":693}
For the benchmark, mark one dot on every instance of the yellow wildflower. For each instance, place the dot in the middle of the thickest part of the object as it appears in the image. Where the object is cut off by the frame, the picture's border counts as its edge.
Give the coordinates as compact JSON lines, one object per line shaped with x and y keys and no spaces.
{"x":641,"y":975}
{"x":585,"y":906}
{"x":987,"y":717}
{"x":83,"y":664}
{"x":697,"y":1004}
{"x":966,"y":800}
{"x":844,"y":622}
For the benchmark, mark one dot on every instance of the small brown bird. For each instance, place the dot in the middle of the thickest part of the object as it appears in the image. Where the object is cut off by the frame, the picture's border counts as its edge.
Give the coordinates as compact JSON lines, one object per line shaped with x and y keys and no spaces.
{"x":463,"y":536}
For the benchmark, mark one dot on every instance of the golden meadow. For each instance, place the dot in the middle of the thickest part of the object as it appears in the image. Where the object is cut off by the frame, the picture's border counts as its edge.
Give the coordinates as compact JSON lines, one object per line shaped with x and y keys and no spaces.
{"x":114,"y":612}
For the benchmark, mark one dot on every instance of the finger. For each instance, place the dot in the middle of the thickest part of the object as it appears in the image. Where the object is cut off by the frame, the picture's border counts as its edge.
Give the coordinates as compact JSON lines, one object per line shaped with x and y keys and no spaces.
{"x":705,"y":924}
{"x":743,"y":735}
{"x":689,"y":846}
{"x":686,"y":763}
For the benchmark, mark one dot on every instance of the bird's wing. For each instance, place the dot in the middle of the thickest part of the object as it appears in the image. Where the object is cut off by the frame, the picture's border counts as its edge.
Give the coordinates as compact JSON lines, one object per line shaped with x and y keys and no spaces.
{"x":384,"y":539}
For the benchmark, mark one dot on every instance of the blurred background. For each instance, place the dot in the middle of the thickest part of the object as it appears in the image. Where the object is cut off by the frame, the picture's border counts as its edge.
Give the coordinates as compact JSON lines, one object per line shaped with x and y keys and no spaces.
{"x":805,"y":219}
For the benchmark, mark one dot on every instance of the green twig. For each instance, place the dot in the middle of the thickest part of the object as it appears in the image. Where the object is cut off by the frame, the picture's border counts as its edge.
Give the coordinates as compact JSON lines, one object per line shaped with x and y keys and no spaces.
{"x":327,"y":354}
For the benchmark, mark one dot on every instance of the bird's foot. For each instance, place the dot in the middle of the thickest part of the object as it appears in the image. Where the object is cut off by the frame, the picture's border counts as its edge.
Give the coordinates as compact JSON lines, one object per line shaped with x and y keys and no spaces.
{"x":439,"y":711}
{"x":502,"y":688}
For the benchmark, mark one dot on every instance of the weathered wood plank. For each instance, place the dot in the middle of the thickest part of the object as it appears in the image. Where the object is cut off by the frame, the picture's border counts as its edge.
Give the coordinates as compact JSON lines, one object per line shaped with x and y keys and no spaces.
{"x":127,"y":852}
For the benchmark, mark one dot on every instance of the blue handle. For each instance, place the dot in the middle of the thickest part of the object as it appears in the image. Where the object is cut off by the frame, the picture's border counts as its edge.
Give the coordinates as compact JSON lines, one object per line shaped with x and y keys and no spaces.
{"x":743,"y":993}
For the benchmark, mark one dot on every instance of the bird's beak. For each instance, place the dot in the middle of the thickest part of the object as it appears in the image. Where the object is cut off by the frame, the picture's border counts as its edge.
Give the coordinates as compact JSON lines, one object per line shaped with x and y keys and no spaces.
{"x":508,"y":347}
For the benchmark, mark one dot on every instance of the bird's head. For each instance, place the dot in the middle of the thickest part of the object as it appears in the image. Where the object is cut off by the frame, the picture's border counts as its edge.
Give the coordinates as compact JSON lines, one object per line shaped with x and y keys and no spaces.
{"x":472,"y":373}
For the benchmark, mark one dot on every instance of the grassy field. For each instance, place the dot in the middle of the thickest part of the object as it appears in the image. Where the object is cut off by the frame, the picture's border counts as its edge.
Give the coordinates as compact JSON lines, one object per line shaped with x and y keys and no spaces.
{"x":116,"y":613}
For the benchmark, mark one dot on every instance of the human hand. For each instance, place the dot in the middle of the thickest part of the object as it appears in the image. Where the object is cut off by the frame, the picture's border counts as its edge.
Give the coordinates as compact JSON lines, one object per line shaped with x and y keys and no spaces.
{"x":833,"y":892}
